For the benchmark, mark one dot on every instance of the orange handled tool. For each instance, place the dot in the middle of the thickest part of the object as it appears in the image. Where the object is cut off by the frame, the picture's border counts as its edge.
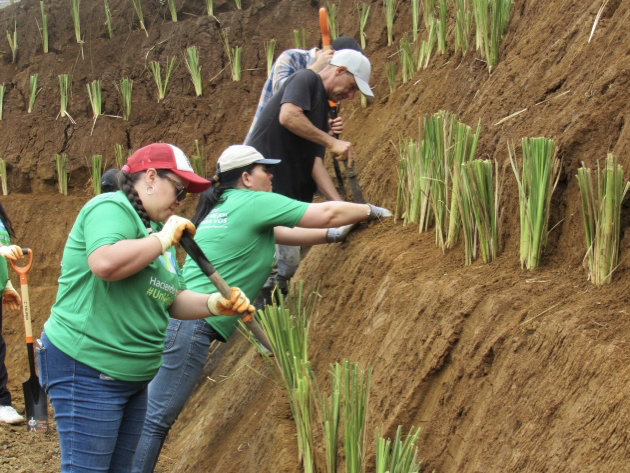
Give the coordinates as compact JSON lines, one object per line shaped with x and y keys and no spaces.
{"x":325,"y":29}
{"x":197,"y":255}
{"x":35,"y":400}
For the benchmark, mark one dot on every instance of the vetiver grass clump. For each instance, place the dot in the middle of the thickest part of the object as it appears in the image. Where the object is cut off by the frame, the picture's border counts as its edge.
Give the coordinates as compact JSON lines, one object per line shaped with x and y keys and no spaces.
{"x":124,"y":88}
{"x":286,"y":325}
{"x":61,"y":161}
{"x":191,"y":58}
{"x":399,"y":455}
{"x":491,"y":19}
{"x":156,"y":72}
{"x":601,"y":209}
{"x":65,"y":82}
{"x":3,"y":176}
{"x":427,"y":183}
{"x":477,"y":186}
{"x":536,"y":178}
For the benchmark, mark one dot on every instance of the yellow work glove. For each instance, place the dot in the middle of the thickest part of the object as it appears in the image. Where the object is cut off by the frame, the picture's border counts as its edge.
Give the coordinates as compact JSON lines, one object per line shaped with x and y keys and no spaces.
{"x":238,"y":303}
{"x":13,"y":252}
{"x":172,"y":231}
{"x":10,"y":298}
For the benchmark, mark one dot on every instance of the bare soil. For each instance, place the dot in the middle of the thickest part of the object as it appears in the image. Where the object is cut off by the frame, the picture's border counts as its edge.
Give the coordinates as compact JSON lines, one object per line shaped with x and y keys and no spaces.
{"x":504,"y":369}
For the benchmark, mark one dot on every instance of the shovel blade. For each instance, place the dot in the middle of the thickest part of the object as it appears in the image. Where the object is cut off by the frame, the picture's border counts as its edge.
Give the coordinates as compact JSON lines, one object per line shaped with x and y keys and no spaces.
{"x":35,"y":402}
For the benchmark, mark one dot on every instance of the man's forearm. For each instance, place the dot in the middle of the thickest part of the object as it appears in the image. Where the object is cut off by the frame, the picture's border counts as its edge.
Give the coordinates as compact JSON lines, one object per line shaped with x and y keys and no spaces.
{"x":293,"y":119}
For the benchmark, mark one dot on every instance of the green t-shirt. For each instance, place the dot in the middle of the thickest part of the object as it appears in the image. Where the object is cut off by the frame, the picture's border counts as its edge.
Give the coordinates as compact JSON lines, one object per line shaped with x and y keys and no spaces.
{"x":117,"y":328}
{"x":5,"y":240}
{"x":237,"y":237}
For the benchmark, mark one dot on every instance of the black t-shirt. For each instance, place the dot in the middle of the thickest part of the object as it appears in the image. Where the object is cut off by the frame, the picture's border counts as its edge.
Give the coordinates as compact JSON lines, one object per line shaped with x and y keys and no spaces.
{"x":293,"y":176}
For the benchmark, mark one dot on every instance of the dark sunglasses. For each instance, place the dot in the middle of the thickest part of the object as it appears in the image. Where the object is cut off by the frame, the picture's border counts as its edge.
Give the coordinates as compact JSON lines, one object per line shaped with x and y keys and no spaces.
{"x":180,"y":190}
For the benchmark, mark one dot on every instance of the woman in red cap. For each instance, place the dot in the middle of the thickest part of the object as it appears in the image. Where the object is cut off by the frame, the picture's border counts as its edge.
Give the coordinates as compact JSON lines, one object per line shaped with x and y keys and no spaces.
{"x":119,"y":285}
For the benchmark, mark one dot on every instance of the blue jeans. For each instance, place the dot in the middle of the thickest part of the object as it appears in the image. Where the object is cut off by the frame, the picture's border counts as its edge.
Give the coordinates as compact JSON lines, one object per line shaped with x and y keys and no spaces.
{"x":99,"y":419}
{"x":185,"y":352}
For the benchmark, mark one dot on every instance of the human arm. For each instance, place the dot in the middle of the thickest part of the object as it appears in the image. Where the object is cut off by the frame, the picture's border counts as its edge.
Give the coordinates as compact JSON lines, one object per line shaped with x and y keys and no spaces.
{"x":321,"y":60}
{"x":335,"y":214}
{"x":323,"y":180}
{"x":10,"y":298}
{"x":292,"y":117}
{"x":299,"y":236}
{"x":126,"y":257}
{"x":123,"y":258}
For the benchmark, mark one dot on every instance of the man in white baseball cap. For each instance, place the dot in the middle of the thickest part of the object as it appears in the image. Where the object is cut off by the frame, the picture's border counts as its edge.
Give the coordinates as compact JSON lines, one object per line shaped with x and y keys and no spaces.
{"x":357,"y":65}
{"x":294,"y":128}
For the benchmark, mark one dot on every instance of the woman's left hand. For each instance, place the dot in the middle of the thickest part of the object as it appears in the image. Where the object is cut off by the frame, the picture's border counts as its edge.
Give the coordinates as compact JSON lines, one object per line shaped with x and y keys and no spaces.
{"x":173,"y":230}
{"x":11,"y":299}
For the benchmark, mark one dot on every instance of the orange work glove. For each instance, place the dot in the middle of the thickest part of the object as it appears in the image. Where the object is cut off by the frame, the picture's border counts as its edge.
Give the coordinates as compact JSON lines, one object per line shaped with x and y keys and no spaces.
{"x":238,"y":303}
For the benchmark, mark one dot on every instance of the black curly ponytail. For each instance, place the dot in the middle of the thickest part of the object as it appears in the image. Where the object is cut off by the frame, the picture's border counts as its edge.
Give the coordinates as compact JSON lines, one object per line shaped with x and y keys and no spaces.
{"x":126,"y":184}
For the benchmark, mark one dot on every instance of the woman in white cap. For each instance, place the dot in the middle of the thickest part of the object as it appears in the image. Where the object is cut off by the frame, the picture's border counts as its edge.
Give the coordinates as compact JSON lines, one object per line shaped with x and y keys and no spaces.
{"x":239,"y":222}
{"x":119,"y":285}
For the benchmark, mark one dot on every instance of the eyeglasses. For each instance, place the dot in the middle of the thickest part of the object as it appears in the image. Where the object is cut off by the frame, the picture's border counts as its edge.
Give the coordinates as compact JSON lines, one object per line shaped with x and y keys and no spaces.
{"x":180,"y":190}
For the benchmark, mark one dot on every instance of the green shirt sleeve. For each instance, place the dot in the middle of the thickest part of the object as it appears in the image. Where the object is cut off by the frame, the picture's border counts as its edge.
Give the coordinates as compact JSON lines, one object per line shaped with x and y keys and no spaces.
{"x":107,"y":223}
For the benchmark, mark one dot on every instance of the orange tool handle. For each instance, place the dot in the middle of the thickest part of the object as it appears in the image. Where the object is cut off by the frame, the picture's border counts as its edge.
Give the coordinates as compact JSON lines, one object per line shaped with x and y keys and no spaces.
{"x":23,"y":270}
{"x":325,"y":29}
{"x":323,"y":26}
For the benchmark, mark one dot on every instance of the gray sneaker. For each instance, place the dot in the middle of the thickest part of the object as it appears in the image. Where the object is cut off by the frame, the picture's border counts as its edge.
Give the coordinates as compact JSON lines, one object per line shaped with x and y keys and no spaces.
{"x":9,"y":415}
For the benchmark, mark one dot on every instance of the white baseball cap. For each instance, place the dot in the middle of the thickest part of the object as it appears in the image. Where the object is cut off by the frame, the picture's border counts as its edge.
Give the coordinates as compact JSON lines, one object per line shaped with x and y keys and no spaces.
{"x":358,"y":65}
{"x":238,"y":156}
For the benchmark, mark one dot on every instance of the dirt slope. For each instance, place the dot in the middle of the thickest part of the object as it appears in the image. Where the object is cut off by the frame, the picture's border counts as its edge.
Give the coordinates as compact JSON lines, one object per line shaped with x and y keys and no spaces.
{"x":504,"y":369}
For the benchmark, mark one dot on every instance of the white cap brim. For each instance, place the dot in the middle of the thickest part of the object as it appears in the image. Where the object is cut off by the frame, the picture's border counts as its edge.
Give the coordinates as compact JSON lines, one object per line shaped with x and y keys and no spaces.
{"x":364,"y":87}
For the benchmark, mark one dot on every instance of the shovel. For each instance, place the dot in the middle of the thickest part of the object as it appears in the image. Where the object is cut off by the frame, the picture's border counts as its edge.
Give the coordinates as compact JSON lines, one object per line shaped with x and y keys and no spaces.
{"x":35,"y":399}
{"x":351,"y":174}
{"x":192,"y":248}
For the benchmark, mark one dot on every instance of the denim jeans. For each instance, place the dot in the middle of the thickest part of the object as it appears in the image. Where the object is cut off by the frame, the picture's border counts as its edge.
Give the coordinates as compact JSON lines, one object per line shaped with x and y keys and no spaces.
{"x":185,"y":353}
{"x":99,"y":419}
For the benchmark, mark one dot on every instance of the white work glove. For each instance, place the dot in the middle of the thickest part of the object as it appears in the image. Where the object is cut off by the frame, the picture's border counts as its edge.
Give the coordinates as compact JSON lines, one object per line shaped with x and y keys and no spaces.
{"x":339,"y":234}
{"x":10,"y":298}
{"x":238,"y":303}
{"x":172,"y":231}
{"x":13,"y":252}
{"x":378,"y":212}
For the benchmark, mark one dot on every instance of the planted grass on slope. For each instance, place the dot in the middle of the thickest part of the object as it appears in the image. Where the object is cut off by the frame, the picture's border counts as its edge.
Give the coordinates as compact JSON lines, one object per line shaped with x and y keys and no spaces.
{"x":536,"y":178}
{"x":61,"y":161}
{"x":601,"y":210}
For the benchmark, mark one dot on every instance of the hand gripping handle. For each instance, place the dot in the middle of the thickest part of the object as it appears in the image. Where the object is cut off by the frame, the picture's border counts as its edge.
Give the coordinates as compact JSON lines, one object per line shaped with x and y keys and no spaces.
{"x":23,"y":270}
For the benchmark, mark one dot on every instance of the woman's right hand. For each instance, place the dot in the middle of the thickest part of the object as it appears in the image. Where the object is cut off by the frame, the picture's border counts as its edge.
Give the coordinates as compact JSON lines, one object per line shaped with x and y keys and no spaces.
{"x":173,"y":230}
{"x":378,"y":212}
{"x":12,"y":252}
{"x":238,"y":303}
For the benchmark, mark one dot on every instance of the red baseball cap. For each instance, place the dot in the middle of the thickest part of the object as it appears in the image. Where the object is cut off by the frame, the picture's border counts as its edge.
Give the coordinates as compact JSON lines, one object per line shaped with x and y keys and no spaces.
{"x":166,"y":156}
